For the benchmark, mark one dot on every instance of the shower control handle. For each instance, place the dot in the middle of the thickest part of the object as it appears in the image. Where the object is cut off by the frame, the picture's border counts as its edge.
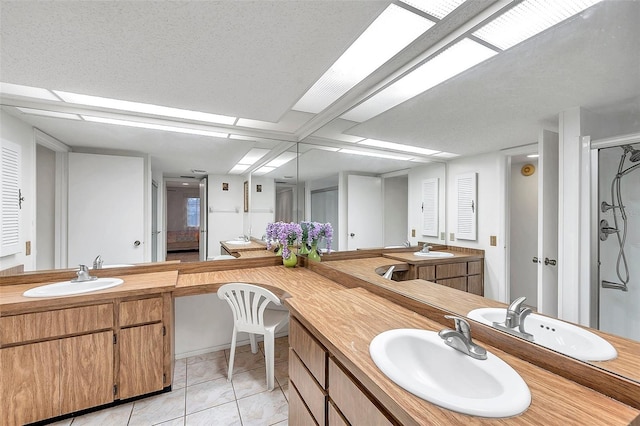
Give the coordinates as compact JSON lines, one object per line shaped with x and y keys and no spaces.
{"x":548,"y":261}
{"x":535,"y":259}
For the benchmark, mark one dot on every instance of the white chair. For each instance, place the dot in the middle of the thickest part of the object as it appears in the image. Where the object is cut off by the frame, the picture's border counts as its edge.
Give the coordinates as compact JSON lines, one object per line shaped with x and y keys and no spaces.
{"x":248,"y":304}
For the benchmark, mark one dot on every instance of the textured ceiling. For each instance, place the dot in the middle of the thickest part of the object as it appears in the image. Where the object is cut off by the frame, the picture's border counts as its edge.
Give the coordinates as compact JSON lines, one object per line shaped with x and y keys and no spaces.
{"x":255,"y":59}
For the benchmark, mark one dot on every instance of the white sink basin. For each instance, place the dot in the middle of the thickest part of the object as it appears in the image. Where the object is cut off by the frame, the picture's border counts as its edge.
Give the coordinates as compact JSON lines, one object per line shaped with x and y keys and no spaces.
{"x":117,"y":265}
{"x":554,"y":334}
{"x":434,"y":254}
{"x":67,"y":288}
{"x":237,"y":242}
{"x":420,"y":362}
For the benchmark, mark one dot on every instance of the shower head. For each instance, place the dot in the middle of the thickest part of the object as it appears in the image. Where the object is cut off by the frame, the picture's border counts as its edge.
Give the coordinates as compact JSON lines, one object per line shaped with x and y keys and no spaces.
{"x":635,"y":154}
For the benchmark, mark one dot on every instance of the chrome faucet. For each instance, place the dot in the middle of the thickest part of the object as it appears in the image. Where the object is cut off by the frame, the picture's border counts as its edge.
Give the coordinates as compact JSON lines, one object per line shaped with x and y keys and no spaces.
{"x":426,"y":248}
{"x":516,"y":314}
{"x":83,"y":275}
{"x":460,"y":338}
{"x":97,"y":262}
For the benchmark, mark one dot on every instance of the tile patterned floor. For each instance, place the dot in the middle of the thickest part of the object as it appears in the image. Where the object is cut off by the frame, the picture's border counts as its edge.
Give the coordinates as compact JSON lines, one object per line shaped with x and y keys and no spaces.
{"x":201,"y":394}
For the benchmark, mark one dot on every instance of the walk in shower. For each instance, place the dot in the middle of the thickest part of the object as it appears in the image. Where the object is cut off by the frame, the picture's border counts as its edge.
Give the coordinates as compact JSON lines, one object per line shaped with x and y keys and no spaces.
{"x":619,"y":240}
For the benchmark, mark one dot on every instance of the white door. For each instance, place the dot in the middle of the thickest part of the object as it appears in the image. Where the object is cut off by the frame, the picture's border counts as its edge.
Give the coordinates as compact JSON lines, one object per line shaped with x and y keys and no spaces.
{"x":106,"y":209}
{"x":154,"y":222}
{"x":364,"y":212}
{"x":548,"y":223}
{"x":203,"y":220}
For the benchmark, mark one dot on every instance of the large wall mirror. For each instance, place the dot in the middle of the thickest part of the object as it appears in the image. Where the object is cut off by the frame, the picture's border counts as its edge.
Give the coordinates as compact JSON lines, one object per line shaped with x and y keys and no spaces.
{"x":374,"y":197}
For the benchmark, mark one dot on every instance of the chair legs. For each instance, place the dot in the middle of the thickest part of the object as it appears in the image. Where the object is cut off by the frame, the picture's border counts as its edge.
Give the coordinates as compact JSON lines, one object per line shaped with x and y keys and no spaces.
{"x":269,"y":357}
{"x":254,"y":346}
{"x":232,"y":355}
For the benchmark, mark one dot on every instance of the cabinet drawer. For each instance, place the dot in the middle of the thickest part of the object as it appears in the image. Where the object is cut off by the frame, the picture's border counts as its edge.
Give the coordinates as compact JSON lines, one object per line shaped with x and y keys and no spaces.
{"x":427,"y":273}
{"x":356,"y":407}
{"x":451,"y":270}
{"x":298,"y":413}
{"x":309,"y":350}
{"x":312,"y":394}
{"x":141,"y":311}
{"x":43,"y":325}
{"x":474,"y":268}
{"x":457,"y":283}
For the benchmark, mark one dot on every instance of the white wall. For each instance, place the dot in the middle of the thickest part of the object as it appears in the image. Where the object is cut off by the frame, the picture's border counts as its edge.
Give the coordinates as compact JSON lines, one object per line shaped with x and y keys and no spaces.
{"x":16,"y":131}
{"x":523,"y":233}
{"x":45,"y":211}
{"x":416,"y":176}
{"x":490,"y":212}
{"x":262,"y":206}
{"x":226,"y":210}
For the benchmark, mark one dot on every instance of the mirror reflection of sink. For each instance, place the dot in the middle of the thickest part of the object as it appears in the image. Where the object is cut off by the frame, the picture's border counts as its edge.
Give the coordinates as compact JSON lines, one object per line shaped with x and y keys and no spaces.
{"x":237,"y":242}
{"x":67,"y":288}
{"x":433,"y":254}
{"x":117,"y":265}
{"x":420,"y":362}
{"x":554,"y":334}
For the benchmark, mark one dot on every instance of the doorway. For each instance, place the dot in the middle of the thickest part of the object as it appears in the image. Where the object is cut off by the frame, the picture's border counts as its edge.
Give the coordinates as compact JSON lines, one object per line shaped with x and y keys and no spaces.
{"x":183,"y":220}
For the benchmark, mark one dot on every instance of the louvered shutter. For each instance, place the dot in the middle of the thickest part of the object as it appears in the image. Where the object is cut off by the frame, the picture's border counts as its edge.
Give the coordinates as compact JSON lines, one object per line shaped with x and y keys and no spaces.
{"x":430,"y":207}
{"x":10,"y":162}
{"x":466,"y":185}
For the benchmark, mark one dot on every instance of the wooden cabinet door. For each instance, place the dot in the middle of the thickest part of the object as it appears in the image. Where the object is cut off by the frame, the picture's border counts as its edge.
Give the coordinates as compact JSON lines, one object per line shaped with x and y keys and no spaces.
{"x":30,"y":382}
{"x":86,"y":371}
{"x":141,"y":360}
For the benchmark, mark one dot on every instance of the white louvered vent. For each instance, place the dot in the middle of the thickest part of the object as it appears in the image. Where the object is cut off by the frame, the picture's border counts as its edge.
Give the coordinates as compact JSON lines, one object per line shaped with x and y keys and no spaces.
{"x":466,"y":185}
{"x":430,"y":207}
{"x":10,"y":160}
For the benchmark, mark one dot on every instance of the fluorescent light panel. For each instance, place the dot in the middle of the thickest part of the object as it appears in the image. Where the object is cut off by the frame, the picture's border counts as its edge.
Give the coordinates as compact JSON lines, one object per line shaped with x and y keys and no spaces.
{"x":397,"y":147}
{"x":533,"y":155}
{"x":391,"y":32}
{"x":283,"y":158}
{"x":528,"y":19}
{"x":238,"y":169}
{"x":253,"y":155}
{"x":143,"y":108}
{"x":27,"y":91}
{"x":374,"y":154}
{"x":264,"y":170}
{"x":437,"y":8}
{"x":446,"y":155}
{"x":154,"y":126}
{"x":44,"y":113}
{"x":458,"y":58}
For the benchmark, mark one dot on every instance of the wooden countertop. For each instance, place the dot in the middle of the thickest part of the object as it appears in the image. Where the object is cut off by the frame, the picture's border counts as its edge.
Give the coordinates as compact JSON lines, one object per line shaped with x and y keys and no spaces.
{"x":283,"y":281}
{"x":236,"y":248}
{"x":12,"y":301}
{"x":357,"y":316}
{"x":256,"y":253}
{"x":411,"y":258}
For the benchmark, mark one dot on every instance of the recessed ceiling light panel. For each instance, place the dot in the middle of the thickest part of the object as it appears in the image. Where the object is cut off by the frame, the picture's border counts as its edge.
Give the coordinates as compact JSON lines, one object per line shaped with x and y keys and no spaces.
{"x":253,"y":155}
{"x":397,"y":147}
{"x":153,"y":126}
{"x":437,"y":8}
{"x":391,"y":32}
{"x":459,"y":57}
{"x":44,"y":113}
{"x":528,"y":19}
{"x":374,"y":154}
{"x":27,"y":91}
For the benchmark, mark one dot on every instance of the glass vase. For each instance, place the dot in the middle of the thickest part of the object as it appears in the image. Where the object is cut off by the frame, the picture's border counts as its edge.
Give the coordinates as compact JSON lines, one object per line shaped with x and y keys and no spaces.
{"x":313,"y":255}
{"x":304,"y":248}
{"x":292,"y":260}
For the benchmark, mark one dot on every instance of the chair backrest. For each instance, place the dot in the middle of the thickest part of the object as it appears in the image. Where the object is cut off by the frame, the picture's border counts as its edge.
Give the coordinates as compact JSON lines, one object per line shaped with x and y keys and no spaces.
{"x":248,"y":303}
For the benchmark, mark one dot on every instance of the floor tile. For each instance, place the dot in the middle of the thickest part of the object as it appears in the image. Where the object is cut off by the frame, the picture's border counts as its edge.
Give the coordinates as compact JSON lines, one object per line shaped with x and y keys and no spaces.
{"x":175,"y":422}
{"x":282,"y":423}
{"x":265,"y":408}
{"x":285,"y":390}
{"x":282,"y":373}
{"x":159,"y":408}
{"x":206,"y":370}
{"x":250,"y":382}
{"x":245,"y":361}
{"x":225,"y":414}
{"x":66,"y":422}
{"x":209,"y":394}
{"x":118,"y":415}
{"x":205,"y":357}
{"x":179,"y":374}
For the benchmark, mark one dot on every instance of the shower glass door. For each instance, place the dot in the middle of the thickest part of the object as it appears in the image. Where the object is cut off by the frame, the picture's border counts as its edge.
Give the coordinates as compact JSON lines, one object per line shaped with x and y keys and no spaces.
{"x":619,"y":240}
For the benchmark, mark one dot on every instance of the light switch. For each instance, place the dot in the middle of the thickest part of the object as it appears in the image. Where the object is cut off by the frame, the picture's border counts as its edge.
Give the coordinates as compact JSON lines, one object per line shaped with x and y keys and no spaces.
{"x":442,"y":236}
{"x":493,"y":240}
{"x":413,"y":232}
{"x":27,"y":248}
{"x":452,"y":236}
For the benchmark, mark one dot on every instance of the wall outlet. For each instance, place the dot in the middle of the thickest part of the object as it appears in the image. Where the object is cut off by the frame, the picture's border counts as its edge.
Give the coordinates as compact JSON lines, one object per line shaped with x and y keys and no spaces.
{"x":27,"y":248}
{"x":413,"y":232}
{"x":442,"y":237}
{"x":452,"y":236}
{"x":493,"y":240}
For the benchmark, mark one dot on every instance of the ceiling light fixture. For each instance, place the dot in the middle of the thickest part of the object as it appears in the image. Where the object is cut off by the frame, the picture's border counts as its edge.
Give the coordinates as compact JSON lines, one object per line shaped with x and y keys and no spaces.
{"x":27,"y":91}
{"x":98,"y":101}
{"x":264,"y":170}
{"x":438,"y":8}
{"x":533,"y":155}
{"x":527,"y":19}
{"x":238,"y":169}
{"x":282,"y":159}
{"x":391,"y":32}
{"x":375,"y":154}
{"x":397,"y":147}
{"x":454,"y":60}
{"x":153,"y":126}
{"x":248,"y":160}
{"x":45,"y":113}
{"x":446,"y":155}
